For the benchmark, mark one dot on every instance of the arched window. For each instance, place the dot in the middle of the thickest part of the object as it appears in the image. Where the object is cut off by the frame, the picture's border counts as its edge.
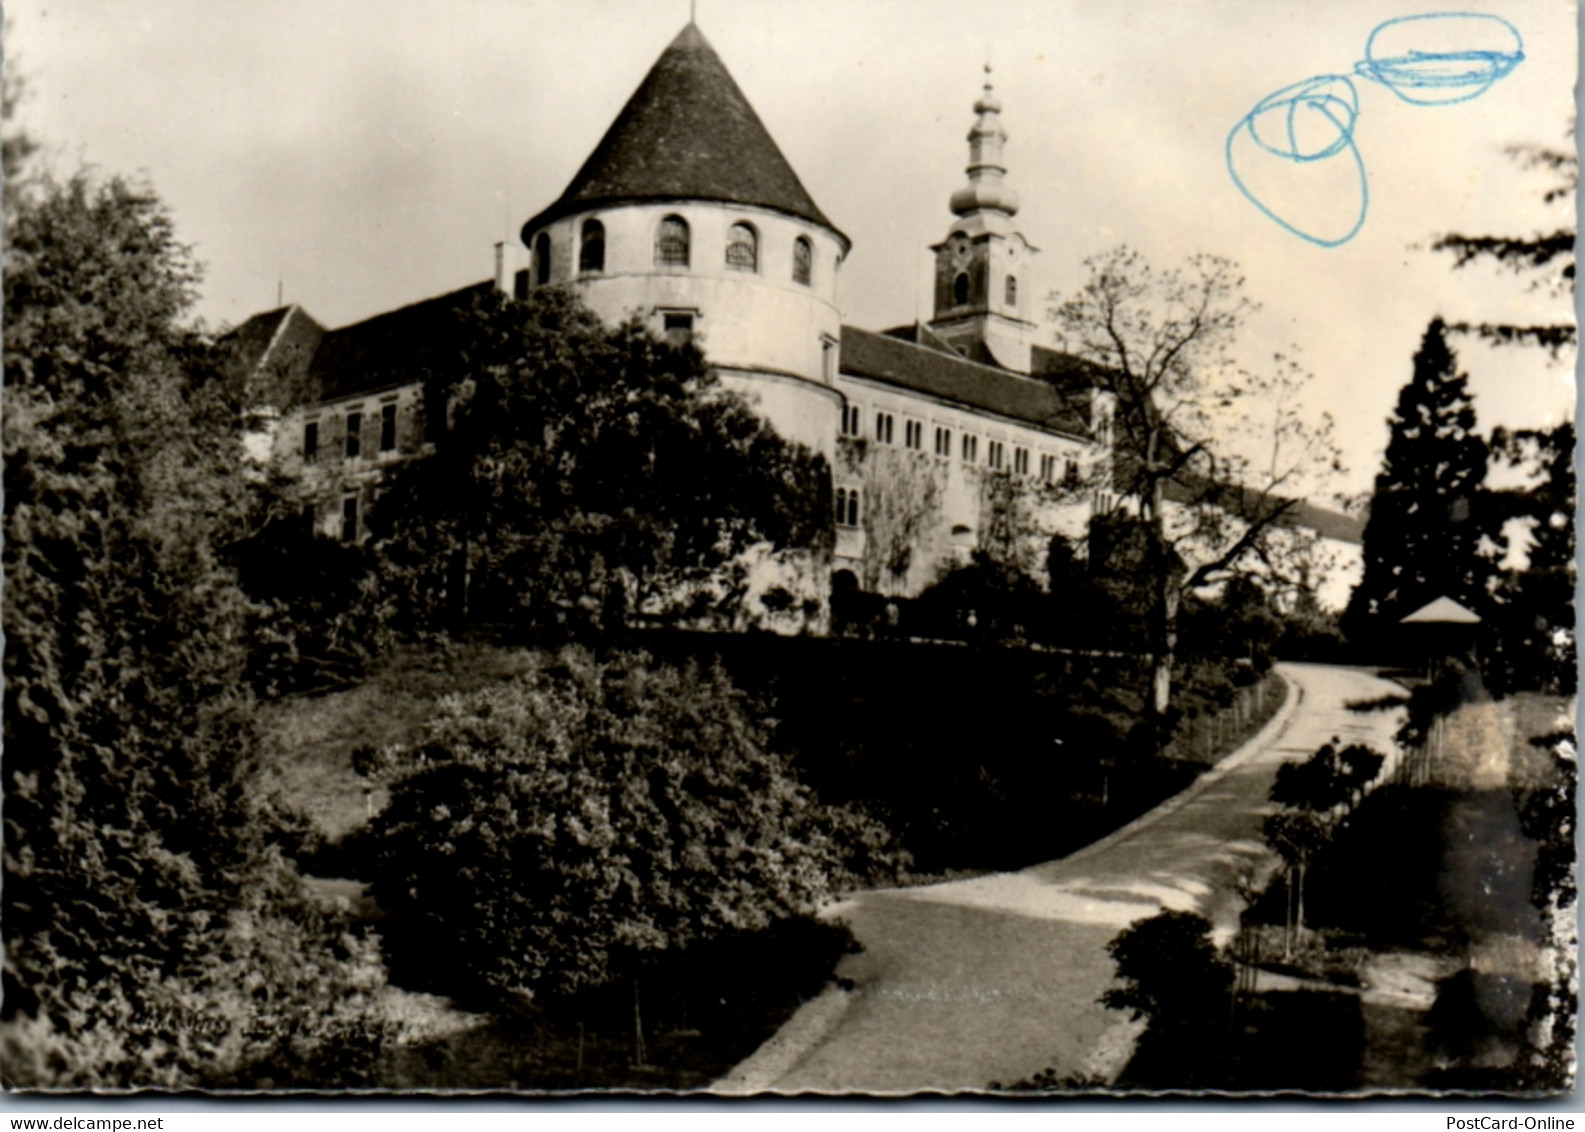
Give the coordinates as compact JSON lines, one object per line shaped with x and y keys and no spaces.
{"x":803,"y":261}
{"x":591,"y":249}
{"x":1012,"y":290}
{"x":742,"y":248}
{"x":671,"y":243}
{"x":960,"y":289}
{"x":542,"y":260}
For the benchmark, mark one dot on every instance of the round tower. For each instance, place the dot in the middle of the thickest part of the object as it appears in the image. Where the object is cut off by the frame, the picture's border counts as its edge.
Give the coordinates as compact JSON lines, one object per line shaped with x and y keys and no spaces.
{"x":688,"y":215}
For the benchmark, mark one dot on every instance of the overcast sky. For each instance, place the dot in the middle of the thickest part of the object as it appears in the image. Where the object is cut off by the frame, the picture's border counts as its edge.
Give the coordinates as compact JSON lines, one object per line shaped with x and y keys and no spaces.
{"x":369,"y":154}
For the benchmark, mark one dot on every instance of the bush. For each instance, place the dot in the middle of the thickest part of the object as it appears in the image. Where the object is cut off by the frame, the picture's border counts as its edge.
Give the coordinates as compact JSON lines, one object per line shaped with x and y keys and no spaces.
{"x":561,"y":825}
{"x":153,"y":936}
{"x":1171,"y":971}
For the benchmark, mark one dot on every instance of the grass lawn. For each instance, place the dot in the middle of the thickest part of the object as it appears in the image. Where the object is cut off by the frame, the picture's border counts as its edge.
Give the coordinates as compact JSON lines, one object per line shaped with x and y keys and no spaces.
{"x":308,"y":745}
{"x":1443,"y":870}
{"x":309,"y":740}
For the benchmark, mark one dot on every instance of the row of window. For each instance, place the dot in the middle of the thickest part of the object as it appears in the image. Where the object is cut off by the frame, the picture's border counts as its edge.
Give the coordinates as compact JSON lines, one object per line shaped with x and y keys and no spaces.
{"x":353,"y":439}
{"x":995,"y":454}
{"x":674,"y":248}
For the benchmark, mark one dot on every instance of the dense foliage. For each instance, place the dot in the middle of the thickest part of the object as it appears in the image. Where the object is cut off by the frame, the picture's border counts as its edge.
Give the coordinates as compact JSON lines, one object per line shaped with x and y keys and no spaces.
{"x":1170,"y":972}
{"x":152,"y":937}
{"x":1316,"y":795}
{"x":555,"y":828}
{"x":588,"y":478}
{"x":1529,"y":639}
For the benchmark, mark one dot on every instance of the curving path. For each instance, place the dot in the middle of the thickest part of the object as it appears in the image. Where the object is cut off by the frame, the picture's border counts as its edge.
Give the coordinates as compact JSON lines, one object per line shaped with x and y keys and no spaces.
{"x":996,"y":978}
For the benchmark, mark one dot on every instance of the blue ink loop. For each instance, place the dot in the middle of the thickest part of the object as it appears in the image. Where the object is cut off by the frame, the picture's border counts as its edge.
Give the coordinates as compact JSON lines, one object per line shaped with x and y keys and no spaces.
{"x":1307,"y":122}
{"x":1329,"y":104}
{"x":1442,"y":78}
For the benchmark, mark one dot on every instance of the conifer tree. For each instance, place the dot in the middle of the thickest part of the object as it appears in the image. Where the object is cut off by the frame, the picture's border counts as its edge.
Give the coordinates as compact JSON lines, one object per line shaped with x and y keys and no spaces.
{"x":1422,"y":540}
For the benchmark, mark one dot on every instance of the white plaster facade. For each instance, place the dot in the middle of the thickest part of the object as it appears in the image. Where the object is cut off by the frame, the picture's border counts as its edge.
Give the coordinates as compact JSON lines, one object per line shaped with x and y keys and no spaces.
{"x":768,"y":335}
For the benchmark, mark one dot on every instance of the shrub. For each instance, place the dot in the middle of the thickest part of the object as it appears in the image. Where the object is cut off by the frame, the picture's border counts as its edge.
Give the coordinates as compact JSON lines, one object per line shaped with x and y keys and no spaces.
{"x":1170,"y":970}
{"x":595,"y":809}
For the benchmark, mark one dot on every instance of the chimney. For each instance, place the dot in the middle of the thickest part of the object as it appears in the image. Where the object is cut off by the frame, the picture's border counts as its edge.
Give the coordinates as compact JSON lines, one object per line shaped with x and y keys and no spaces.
{"x":500,"y":265}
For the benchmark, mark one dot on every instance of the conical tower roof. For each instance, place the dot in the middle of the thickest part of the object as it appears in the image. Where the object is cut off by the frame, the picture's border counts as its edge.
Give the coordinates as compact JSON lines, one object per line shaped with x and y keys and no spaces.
{"x":688,"y":133}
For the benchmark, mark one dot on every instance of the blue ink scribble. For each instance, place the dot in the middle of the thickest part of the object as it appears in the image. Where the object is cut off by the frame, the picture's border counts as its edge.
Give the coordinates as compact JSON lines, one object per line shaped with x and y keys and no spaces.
{"x":1313,"y":121}
{"x":1307,"y":122}
{"x":1446,"y":76}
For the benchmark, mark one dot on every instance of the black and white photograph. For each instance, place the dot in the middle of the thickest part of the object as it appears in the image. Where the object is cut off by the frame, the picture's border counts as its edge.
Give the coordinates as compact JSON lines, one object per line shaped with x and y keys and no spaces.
{"x":754,"y":549}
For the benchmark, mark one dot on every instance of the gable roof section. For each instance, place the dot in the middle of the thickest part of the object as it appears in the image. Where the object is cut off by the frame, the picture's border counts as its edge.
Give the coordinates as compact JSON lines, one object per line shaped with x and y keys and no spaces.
{"x":394,"y":348}
{"x":1442,"y":611}
{"x":921,"y":369}
{"x":284,"y":336}
{"x":687,"y":133}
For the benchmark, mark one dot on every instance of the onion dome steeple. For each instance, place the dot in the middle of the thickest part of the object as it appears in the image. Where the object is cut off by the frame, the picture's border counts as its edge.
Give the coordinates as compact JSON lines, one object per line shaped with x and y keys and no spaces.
{"x":982,"y":267}
{"x":985,"y":190}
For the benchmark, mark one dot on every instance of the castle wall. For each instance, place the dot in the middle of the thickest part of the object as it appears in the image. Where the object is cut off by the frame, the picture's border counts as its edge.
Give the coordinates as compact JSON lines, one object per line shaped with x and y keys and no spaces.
{"x":924,"y":511}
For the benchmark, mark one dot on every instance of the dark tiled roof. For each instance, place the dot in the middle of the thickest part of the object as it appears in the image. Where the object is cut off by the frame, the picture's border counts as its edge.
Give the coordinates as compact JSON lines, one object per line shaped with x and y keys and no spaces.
{"x":1070,"y":374}
{"x":881,"y":357}
{"x":686,"y":134}
{"x":284,"y":336}
{"x":394,"y":348}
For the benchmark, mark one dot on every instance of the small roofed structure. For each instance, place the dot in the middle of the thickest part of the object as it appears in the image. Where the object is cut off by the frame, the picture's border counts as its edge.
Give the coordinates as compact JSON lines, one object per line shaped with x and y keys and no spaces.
{"x":1442,"y":611}
{"x":1441,"y":635}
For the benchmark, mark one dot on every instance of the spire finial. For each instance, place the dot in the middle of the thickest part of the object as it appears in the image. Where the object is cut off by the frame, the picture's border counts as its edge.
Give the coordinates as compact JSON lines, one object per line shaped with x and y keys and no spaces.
{"x":692,"y":10}
{"x":985,"y":190}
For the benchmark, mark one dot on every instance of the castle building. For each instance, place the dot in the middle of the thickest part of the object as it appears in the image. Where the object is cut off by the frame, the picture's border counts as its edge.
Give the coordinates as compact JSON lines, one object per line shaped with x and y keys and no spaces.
{"x":944,"y":437}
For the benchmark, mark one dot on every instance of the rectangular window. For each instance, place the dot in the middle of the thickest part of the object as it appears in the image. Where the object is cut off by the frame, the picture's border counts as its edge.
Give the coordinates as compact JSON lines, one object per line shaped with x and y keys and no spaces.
{"x":1070,"y":474}
{"x":679,"y":328}
{"x":913,"y":434}
{"x":883,"y":427}
{"x":311,"y":442}
{"x":349,"y":519}
{"x":851,"y":423}
{"x":387,"y":428}
{"x":828,"y":360}
{"x":354,"y":435}
{"x":943,"y":442}
{"x":847,"y":506}
{"x":1020,"y":461}
{"x":993,"y":454}
{"x":971,"y":449}
{"x":1048,"y":468}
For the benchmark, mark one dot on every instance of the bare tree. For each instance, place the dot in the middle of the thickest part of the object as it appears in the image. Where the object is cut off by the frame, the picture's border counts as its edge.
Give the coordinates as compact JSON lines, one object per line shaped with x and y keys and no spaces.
{"x":1210,"y":460}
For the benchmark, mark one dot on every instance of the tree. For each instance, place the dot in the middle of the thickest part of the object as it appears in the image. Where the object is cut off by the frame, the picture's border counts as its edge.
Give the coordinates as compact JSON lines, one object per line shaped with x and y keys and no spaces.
{"x":152,"y":936}
{"x":589,"y":476}
{"x":1528,"y":634}
{"x":1211,"y":458}
{"x":1422,"y":540}
{"x":1314,"y":792}
{"x":1296,"y":836}
{"x":1548,"y":257}
{"x":558,"y":828}
{"x":901,"y":497}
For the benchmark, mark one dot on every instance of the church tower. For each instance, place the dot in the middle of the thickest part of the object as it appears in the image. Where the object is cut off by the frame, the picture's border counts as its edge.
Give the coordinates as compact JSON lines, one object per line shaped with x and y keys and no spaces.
{"x":983,"y":284}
